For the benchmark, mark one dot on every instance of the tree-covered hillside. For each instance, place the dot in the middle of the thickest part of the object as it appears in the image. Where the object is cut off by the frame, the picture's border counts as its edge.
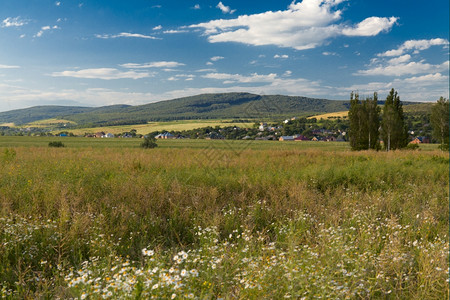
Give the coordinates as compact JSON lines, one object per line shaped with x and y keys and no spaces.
{"x":205,"y":106}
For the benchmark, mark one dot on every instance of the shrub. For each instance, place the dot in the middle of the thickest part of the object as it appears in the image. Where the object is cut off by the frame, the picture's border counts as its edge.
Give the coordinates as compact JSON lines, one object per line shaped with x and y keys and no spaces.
{"x":56,"y":144}
{"x":149,"y":142}
{"x":412,"y":147}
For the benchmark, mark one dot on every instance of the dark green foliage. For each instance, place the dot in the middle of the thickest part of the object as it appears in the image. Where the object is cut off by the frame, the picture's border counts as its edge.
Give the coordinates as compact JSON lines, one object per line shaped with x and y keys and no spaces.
{"x":56,"y":144}
{"x":412,"y":147}
{"x":364,"y":122}
{"x":149,"y":143}
{"x":393,"y":128}
{"x":27,"y":115}
{"x":440,"y":122}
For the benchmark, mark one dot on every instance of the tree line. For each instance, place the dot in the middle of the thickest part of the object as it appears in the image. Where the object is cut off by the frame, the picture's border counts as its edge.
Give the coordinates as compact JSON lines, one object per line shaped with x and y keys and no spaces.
{"x":368,"y":125}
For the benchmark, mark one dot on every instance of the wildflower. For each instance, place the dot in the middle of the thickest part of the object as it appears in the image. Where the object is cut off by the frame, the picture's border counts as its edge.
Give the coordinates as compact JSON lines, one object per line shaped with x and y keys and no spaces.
{"x":173,"y":296}
{"x":146,"y":252}
{"x":155,"y":286}
{"x":183,"y":272}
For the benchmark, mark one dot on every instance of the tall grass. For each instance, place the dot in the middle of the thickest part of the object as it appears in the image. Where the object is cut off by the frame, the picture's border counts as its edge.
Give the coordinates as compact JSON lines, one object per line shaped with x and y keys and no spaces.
{"x":253,"y":223}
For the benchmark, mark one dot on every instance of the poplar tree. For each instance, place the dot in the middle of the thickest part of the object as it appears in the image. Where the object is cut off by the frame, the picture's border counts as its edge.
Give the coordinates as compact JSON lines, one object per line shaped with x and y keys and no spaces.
{"x":440,"y":122}
{"x":355,"y":118}
{"x":364,"y":122}
{"x":393,"y":129}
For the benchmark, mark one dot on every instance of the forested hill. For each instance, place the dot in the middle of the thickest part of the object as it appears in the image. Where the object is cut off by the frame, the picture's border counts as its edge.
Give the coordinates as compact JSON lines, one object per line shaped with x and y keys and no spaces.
{"x":217,"y":106}
{"x":205,"y":106}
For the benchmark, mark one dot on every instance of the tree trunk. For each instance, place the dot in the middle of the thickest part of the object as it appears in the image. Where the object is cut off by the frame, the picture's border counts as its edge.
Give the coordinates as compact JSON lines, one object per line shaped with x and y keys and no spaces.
{"x":389,"y":141}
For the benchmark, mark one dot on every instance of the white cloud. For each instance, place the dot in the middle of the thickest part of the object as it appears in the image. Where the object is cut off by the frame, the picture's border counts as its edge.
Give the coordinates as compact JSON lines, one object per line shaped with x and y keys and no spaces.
{"x":371,"y":26}
{"x":209,"y":63}
{"x":416,"y":45}
{"x":8,"y":67}
{"x":57,"y":3}
{"x":400,"y":59}
{"x":304,"y":25}
{"x":13,"y":22}
{"x":172,"y":31}
{"x":232,"y":78}
{"x":216,"y":58}
{"x":284,"y":56}
{"x":159,"y":27}
{"x":196,"y":6}
{"x":287,"y":73}
{"x":186,"y":77}
{"x":126,"y":35}
{"x":418,"y":88}
{"x":45,"y":28}
{"x":400,"y":69}
{"x":329,"y":53}
{"x":206,"y":70}
{"x":156,"y":64}
{"x":102,"y":73}
{"x":225,"y":9}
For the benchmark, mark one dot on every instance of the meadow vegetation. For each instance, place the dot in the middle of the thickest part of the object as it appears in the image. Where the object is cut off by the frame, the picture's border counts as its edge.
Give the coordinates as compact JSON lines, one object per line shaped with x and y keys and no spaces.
{"x":221,"y":219}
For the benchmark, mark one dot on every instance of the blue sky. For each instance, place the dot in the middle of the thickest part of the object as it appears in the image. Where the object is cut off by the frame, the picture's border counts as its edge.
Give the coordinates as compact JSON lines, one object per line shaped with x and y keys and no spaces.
{"x":95,"y":53}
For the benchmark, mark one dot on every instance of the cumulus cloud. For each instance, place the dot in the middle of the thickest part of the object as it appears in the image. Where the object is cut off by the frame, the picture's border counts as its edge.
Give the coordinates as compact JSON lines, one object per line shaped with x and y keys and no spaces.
{"x":284,"y":56}
{"x":416,"y":46}
{"x":370,"y":26}
{"x":304,"y":25}
{"x":400,"y":69}
{"x":125,"y":35}
{"x":427,"y":87}
{"x":156,"y":64}
{"x":400,"y":59}
{"x":196,"y":6}
{"x":398,"y":62}
{"x":225,"y":9}
{"x":13,"y":22}
{"x":102,"y":73}
{"x":159,"y":27}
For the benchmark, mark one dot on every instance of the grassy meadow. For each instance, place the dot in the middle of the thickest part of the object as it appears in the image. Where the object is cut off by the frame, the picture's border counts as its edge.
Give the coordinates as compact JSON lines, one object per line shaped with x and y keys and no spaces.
{"x":103,"y":218}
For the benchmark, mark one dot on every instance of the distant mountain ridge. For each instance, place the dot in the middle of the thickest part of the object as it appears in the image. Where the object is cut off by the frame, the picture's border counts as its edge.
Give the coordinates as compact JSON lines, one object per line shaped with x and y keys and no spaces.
{"x":204,"y":106}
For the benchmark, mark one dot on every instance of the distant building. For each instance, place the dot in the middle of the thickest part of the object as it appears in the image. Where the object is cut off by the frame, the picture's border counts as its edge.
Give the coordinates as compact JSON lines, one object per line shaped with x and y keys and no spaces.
{"x":166,"y":135}
{"x":416,"y":141}
{"x":301,"y":138}
{"x":286,"y":138}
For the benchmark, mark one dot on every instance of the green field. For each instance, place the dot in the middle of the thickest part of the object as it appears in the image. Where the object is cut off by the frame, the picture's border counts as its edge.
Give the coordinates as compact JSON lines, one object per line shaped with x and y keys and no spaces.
{"x":160,"y":126}
{"x":210,"y":219}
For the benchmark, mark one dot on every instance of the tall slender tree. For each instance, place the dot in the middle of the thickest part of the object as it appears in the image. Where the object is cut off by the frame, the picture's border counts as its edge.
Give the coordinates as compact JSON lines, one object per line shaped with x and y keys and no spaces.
{"x":393,"y":129}
{"x":364,"y":122}
{"x":440,"y":122}
{"x":373,"y":121}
